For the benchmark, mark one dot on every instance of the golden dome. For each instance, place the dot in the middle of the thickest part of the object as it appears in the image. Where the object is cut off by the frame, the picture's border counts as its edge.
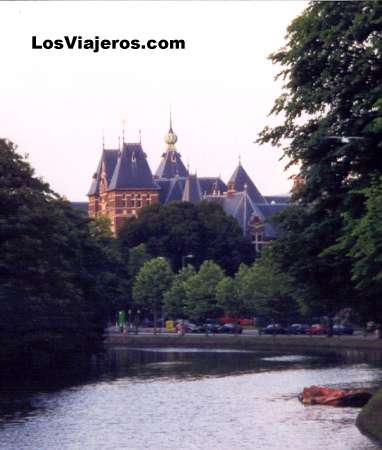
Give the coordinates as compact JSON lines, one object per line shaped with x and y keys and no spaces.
{"x":170,"y":137}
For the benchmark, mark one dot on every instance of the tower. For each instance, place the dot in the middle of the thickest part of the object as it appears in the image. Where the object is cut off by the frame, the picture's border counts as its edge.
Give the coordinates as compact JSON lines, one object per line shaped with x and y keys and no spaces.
{"x":171,"y":164}
{"x":122,"y":185}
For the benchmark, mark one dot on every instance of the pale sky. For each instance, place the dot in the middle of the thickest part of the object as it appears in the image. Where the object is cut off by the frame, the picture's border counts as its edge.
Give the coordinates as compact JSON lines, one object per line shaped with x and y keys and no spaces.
{"x":55,"y":104}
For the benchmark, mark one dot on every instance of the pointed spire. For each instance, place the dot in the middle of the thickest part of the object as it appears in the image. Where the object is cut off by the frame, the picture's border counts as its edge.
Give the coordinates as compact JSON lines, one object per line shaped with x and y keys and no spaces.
{"x":170,"y":129}
{"x":119,"y":145}
{"x":103,"y":139}
{"x":239,"y":160}
{"x":140,"y":136}
{"x":239,"y":179}
{"x":124,"y":122}
{"x":171,"y":137}
{"x":171,"y":163}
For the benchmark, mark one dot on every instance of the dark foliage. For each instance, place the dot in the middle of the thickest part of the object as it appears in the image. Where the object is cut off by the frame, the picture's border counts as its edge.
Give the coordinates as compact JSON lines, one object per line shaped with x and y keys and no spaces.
{"x":181,"y":229}
{"x":331,"y":104}
{"x":57,"y":277}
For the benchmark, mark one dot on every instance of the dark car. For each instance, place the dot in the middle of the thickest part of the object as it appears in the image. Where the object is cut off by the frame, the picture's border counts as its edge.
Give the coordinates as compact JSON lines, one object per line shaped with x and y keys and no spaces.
{"x":274,"y":328}
{"x":298,"y":328}
{"x":210,"y":326}
{"x":316,"y":329}
{"x":371,"y":326}
{"x":340,"y":330}
{"x":231,"y":328}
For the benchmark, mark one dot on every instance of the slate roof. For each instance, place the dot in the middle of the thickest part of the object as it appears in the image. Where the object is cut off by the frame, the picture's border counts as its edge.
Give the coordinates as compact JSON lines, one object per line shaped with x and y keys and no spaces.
{"x":109,"y":159}
{"x":176,"y":190}
{"x":171,"y":165}
{"x":270,"y":210}
{"x":132,"y":170}
{"x":241,"y":207}
{"x":277,"y":198}
{"x":164,"y":185}
{"x":208,"y":184}
{"x":192,"y":192}
{"x":171,"y":190}
{"x":240,"y":178}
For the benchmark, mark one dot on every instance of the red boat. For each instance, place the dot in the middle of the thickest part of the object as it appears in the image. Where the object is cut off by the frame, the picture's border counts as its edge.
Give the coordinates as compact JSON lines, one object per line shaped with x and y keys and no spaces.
{"x":316,"y":395}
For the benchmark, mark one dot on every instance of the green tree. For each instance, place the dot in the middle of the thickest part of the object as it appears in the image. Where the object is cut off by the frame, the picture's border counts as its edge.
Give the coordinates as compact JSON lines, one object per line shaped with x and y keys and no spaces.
{"x":201,"y":291}
{"x":227,"y":298}
{"x":137,"y":257}
{"x":367,"y":248}
{"x":245,"y":288}
{"x":180,"y":228}
{"x":331,"y":127}
{"x":100,"y":228}
{"x":271,"y":294}
{"x":175,"y":297}
{"x":363,"y":241}
{"x":58,"y":275}
{"x":151,"y":283}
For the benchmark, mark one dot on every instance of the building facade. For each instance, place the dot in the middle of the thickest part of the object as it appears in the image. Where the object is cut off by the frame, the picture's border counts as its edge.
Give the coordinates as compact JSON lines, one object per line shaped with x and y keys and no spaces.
{"x":124,"y":184}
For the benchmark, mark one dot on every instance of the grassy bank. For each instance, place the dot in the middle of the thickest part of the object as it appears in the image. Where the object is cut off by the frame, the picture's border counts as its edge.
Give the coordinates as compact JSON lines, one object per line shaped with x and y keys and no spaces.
{"x":369,"y":420}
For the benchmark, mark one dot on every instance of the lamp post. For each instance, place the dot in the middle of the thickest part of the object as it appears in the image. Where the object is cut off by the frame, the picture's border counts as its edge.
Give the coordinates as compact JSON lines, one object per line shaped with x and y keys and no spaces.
{"x":129,"y":312}
{"x":136,"y":321}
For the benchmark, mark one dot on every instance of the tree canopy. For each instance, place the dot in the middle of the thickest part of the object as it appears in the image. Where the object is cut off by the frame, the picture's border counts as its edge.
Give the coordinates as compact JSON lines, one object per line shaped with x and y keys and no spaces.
{"x":331,"y":127}
{"x":201,"y":302}
{"x":180,"y":229}
{"x":175,"y":297}
{"x":152,"y":281}
{"x":59,"y":276}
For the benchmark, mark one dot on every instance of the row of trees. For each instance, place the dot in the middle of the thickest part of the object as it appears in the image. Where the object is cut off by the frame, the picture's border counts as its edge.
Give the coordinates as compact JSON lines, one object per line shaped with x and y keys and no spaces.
{"x":330,"y":242}
{"x":208,"y":292}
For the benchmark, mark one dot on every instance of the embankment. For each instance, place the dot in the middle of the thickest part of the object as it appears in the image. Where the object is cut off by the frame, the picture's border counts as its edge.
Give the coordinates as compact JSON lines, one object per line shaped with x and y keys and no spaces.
{"x":369,"y":421}
{"x":249,"y":342}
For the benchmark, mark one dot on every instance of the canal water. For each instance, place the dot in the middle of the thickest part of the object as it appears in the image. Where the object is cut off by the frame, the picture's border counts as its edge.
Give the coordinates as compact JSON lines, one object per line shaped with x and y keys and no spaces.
{"x":169,"y":399}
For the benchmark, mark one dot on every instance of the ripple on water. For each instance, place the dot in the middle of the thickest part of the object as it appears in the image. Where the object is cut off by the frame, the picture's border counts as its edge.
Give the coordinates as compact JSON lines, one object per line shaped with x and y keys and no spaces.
{"x":254,"y":410}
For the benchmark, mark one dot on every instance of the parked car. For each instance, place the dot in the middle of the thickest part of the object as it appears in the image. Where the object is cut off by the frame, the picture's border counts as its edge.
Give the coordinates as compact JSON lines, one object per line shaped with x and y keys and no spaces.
{"x":246,"y":322}
{"x":340,"y":330}
{"x":189,"y":327}
{"x":210,"y":326}
{"x":316,"y":329}
{"x":274,"y":328}
{"x":231,"y":328}
{"x":298,"y":328}
{"x":371,"y":326}
{"x":226,"y":319}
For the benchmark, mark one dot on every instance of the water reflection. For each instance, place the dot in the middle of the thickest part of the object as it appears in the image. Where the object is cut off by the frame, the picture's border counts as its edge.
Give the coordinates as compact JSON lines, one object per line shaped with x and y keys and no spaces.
{"x":198,"y":399}
{"x":195,"y":363}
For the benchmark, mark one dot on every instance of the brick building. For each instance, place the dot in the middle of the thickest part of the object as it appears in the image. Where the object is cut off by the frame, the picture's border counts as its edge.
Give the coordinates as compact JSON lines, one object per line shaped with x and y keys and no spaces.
{"x":123,"y":184}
